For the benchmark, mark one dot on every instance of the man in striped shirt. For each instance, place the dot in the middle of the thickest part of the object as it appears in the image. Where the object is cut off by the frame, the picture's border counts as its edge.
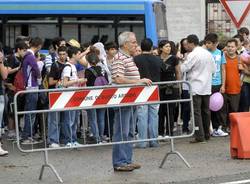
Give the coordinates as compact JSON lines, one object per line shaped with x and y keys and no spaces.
{"x":124,"y":71}
{"x":52,"y":57}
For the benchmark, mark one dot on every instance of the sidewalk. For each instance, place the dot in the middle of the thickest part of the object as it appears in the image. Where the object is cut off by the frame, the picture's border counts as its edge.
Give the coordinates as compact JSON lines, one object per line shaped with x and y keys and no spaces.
{"x":94,"y":166}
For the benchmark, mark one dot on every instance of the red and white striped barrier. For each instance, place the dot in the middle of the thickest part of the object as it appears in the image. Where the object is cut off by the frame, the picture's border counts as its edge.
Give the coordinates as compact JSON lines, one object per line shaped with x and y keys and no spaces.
{"x":109,"y":96}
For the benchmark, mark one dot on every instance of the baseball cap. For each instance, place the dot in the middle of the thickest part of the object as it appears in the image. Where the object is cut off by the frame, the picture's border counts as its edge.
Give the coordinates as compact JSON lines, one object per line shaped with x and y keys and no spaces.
{"x":74,"y":43}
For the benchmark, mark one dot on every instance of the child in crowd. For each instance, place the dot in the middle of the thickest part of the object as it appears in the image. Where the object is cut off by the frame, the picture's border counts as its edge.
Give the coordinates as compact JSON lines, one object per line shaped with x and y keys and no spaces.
{"x":96,"y":117}
{"x":71,"y":80}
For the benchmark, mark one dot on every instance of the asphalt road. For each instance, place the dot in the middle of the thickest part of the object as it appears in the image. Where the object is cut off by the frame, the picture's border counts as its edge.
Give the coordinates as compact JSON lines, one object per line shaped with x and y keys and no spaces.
{"x":210,"y":164}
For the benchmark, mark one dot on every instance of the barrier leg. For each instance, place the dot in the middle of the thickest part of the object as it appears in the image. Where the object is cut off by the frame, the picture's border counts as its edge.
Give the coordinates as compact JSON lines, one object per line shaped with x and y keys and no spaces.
{"x":172,"y":151}
{"x":46,"y":164}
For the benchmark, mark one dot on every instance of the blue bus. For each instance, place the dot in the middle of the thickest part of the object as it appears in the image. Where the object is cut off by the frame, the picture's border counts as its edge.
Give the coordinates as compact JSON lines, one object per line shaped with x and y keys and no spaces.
{"x":83,"y":20}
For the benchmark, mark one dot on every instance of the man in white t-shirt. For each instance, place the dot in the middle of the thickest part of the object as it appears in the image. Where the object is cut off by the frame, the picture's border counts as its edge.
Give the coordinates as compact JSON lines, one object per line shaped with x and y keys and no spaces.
{"x":200,"y":66}
{"x":71,"y":80}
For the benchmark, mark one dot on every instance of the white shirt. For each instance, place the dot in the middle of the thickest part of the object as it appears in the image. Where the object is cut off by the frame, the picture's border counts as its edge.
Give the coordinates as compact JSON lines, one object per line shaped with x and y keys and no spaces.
{"x":70,"y":72}
{"x":40,"y":67}
{"x":48,"y":62}
{"x":200,"y":66}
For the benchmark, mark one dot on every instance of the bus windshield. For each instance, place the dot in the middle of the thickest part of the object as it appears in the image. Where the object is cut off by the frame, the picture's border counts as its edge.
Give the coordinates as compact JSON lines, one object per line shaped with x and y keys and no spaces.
{"x":161,"y":22}
{"x":83,"y":20}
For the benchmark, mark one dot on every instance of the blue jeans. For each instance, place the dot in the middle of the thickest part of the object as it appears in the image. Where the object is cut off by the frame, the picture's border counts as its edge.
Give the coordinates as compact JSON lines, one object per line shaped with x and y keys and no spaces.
{"x":69,"y":126}
{"x":123,"y":131}
{"x":96,"y":118}
{"x":29,"y":119}
{"x":147,"y":123}
{"x":54,"y":126}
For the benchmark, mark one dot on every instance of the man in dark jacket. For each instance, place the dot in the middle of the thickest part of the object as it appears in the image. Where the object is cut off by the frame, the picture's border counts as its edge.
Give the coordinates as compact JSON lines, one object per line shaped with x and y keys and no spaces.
{"x":150,"y":67}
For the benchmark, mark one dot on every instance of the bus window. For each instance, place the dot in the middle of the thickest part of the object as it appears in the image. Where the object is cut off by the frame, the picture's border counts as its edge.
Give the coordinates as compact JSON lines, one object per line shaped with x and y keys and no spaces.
{"x":134,"y":24}
{"x":12,"y":31}
{"x":161,"y":21}
{"x":83,"y":28}
{"x":42,"y":31}
{"x":95,"y":33}
{"x":32,"y":26}
{"x":69,"y":31}
{"x":69,"y":28}
{"x":139,"y":32}
{"x":96,"y":28}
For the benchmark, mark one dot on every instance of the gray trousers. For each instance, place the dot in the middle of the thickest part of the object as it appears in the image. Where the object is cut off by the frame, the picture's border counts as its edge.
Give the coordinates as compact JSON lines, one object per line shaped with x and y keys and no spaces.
{"x":231,"y":104}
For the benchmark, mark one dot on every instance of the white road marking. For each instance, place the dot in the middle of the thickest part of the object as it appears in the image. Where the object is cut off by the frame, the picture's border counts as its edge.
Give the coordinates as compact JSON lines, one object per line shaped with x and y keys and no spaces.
{"x":237,"y":182}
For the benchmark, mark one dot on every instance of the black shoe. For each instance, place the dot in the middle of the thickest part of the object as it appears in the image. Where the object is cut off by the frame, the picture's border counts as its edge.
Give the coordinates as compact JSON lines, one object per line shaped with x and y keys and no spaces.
{"x":186,"y":132}
{"x":197,"y":141}
{"x":207,"y":137}
{"x":91,"y":140}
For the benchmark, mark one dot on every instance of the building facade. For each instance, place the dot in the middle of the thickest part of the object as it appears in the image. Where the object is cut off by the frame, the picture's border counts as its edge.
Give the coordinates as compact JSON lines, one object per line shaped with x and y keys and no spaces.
{"x":199,"y":17}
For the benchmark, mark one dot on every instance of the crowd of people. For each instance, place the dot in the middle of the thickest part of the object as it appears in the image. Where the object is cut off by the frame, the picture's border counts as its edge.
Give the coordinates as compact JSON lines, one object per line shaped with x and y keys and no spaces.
{"x":208,"y":65}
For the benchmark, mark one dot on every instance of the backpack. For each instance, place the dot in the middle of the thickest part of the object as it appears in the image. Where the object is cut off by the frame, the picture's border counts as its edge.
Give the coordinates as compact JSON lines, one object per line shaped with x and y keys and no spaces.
{"x":43,"y":97}
{"x":19,"y":81}
{"x":45,"y":82}
{"x":45,"y":78}
{"x":44,"y":73}
{"x":99,"y":80}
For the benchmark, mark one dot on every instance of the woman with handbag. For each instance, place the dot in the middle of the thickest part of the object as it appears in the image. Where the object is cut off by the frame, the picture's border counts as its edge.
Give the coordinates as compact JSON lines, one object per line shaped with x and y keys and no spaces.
{"x":167,"y":53}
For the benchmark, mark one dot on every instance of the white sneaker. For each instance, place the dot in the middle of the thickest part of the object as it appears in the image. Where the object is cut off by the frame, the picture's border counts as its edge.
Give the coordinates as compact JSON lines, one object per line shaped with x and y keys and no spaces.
{"x":180,"y":122}
{"x":11,"y":136}
{"x":214,"y":133}
{"x":37,"y":136}
{"x":219,"y":133}
{"x":54,"y":145}
{"x":175,"y":129}
{"x":76,"y":144}
{"x":2,"y":131}
{"x":160,"y":136}
{"x":211,"y":130}
{"x":2,"y":151}
{"x":29,"y":141}
{"x":69,"y":144}
{"x":105,"y":138}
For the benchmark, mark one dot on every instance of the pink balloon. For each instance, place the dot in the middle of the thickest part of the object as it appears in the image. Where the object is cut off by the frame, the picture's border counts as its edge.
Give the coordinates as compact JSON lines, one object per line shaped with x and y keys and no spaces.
{"x":245,"y":57}
{"x":216,"y":101}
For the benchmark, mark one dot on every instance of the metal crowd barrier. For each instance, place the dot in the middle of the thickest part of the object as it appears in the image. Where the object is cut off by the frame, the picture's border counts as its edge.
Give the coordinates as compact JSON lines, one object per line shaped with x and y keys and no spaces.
{"x":117,"y":96}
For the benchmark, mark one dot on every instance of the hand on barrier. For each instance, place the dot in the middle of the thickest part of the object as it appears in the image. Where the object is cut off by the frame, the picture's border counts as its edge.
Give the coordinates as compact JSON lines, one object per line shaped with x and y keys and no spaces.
{"x":82,"y":81}
{"x":148,"y":82}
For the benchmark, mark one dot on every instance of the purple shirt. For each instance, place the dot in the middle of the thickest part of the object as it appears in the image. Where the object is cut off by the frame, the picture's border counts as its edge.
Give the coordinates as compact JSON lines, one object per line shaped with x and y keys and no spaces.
{"x":31,"y":70}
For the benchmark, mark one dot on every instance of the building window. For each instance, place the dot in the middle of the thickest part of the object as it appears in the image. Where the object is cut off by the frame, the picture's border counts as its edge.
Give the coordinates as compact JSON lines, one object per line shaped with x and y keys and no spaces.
{"x":217,"y":20}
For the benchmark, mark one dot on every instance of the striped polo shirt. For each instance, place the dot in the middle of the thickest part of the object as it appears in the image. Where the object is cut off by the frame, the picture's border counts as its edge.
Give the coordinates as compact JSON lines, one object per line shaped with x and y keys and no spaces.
{"x":124,"y":66}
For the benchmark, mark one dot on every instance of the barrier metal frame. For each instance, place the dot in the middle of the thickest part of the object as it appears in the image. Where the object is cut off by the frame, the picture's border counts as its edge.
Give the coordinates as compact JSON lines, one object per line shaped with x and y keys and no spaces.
{"x":46,"y":149}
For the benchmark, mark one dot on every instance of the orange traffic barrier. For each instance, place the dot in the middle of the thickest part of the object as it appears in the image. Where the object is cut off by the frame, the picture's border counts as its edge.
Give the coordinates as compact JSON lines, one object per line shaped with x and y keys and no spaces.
{"x":240,"y":135}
